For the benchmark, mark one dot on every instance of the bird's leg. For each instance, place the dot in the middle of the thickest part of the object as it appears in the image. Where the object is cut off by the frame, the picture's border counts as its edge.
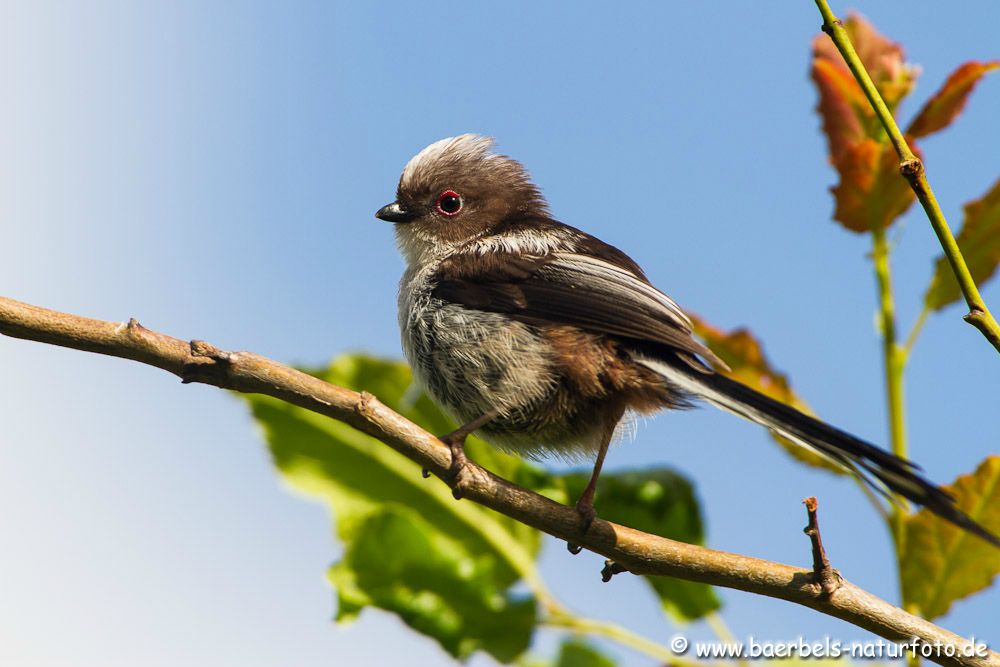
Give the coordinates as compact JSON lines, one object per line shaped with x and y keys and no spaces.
{"x":456,"y":443}
{"x":585,"y":504}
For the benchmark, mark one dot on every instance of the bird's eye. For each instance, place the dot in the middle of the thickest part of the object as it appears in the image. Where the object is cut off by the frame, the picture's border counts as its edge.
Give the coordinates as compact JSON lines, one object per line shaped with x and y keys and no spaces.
{"x":449,"y":203}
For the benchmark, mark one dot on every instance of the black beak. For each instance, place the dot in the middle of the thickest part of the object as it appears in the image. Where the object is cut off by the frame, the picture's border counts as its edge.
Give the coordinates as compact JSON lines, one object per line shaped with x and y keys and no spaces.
{"x":394,"y":213}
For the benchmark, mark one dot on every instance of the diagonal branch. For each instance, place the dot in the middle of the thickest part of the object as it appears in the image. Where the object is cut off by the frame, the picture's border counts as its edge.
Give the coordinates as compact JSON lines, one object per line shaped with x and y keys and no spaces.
{"x":912,"y":170}
{"x":638,"y":552}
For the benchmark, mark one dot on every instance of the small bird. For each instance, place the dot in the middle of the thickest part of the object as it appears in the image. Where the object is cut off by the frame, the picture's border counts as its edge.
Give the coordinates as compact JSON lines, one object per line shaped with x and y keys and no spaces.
{"x":542,"y":337}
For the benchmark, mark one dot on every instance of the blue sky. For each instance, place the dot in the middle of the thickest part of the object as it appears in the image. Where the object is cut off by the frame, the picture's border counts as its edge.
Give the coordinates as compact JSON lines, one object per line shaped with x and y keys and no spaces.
{"x":212,"y":170}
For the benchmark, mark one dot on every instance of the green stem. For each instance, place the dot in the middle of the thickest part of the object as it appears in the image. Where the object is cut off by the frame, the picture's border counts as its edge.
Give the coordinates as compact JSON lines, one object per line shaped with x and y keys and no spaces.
{"x":894,"y":360}
{"x":913,"y":170}
{"x":722,"y":632}
{"x":719,"y":627}
{"x":616,"y":633}
{"x":918,"y":326}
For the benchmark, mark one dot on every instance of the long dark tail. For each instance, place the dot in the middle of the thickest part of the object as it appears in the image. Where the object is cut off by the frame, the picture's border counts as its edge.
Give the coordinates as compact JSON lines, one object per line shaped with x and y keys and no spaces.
{"x":878,"y":468}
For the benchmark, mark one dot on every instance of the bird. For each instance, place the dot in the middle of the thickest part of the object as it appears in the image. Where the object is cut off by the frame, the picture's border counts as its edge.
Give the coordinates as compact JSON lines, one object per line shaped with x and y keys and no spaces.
{"x":541,"y":338}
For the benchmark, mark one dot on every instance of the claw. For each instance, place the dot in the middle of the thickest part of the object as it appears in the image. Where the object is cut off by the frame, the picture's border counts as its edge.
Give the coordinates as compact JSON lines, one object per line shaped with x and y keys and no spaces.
{"x":611,"y":568}
{"x":587,"y":515}
{"x":459,"y":462}
{"x":456,"y":443}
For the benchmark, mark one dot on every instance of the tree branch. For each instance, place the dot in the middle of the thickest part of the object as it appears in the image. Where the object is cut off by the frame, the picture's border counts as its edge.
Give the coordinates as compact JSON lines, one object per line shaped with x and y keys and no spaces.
{"x":638,"y":552}
{"x":912,"y":170}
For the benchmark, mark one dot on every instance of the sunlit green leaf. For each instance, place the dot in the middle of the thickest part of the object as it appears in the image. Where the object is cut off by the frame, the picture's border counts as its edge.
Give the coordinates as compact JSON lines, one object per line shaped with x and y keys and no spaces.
{"x":399,"y":562}
{"x":942,"y":563}
{"x":662,"y":502}
{"x":411,"y":549}
{"x":578,"y":653}
{"x":361,"y":478}
{"x":979,"y":241}
{"x":573,"y":652}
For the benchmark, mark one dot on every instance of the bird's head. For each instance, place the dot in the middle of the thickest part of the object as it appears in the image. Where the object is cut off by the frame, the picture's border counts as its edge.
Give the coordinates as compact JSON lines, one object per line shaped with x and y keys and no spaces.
{"x":457,"y":190}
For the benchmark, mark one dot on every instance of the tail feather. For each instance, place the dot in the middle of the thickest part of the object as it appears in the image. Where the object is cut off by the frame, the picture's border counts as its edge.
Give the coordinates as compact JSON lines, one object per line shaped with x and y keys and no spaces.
{"x":881,"y":470}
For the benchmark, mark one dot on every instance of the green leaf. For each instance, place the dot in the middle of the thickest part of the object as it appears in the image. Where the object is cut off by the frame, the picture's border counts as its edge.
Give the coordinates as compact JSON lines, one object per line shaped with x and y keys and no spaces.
{"x":402,"y":563}
{"x":578,"y":653}
{"x":942,"y":563}
{"x":979,"y":241}
{"x":748,"y":364}
{"x":573,"y":652}
{"x":361,"y":478}
{"x":662,"y":502}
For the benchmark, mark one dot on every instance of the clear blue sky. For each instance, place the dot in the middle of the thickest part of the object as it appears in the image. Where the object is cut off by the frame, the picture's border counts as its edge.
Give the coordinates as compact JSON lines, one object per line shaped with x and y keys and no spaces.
{"x":212,"y":169}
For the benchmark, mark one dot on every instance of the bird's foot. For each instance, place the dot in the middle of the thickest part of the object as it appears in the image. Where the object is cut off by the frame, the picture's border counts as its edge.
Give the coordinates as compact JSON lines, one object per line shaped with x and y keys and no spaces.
{"x":585,"y":508}
{"x":460,"y":464}
{"x":610,"y":569}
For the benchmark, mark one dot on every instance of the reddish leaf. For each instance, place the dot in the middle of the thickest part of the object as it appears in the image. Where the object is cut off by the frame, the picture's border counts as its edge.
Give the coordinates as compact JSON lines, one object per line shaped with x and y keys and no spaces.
{"x":979,"y":241}
{"x":884,"y":60}
{"x":745,"y":357}
{"x":871,"y":193}
{"x":847,"y":115}
{"x":841,"y":105}
{"x":941,"y":109}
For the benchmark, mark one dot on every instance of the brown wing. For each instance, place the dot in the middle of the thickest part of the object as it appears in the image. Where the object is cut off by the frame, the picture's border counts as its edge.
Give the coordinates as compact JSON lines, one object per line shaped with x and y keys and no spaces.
{"x":590,"y":292}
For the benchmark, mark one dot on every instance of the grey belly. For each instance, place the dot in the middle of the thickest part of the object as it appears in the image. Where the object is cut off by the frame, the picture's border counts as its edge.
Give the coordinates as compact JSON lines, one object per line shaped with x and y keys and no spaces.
{"x":472,"y":363}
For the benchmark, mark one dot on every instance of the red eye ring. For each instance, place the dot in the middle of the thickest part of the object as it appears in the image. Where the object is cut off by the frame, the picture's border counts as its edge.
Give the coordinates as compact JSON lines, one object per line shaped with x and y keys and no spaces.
{"x":449,"y":203}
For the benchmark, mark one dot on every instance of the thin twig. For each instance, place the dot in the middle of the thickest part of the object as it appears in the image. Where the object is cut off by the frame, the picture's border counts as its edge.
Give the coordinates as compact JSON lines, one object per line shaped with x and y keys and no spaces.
{"x":723,"y":633}
{"x":918,"y":326}
{"x":912,"y":170}
{"x":617,"y":633}
{"x":828,"y":578}
{"x":638,"y":552}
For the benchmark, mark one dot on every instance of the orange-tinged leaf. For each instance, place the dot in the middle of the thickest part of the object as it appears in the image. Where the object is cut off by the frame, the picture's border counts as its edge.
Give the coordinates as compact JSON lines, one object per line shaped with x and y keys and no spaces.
{"x":871,"y":193}
{"x":840,"y":99}
{"x":979,"y":241}
{"x":745,"y":357}
{"x":945,"y":105}
{"x":847,"y":115}
{"x":941,"y":563}
{"x":884,"y":60}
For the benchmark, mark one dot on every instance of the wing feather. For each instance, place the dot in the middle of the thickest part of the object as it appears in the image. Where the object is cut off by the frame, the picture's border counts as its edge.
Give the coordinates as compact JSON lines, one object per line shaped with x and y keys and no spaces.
{"x":570,"y":288}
